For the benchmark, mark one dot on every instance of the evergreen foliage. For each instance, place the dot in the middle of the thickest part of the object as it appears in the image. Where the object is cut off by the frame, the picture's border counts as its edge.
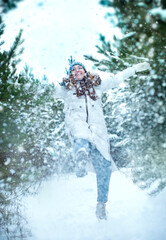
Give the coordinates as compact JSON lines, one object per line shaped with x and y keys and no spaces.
{"x":31,"y":132}
{"x":140,"y":125}
{"x":7,"y":5}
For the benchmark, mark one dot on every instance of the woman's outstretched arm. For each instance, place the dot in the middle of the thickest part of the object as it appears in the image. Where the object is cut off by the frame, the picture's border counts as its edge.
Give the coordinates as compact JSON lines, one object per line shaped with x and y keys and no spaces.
{"x":118,"y":78}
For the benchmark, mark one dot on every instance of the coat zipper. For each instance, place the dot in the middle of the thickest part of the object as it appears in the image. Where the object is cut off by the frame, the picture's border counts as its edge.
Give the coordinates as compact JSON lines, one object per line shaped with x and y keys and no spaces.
{"x":87,"y":114}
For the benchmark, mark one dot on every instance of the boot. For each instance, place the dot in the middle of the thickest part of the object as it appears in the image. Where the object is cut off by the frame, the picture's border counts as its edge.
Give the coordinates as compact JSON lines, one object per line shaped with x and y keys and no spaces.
{"x":101,"y":211}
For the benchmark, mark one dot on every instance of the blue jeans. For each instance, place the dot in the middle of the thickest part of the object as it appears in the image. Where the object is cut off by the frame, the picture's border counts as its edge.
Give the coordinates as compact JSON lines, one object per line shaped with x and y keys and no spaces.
{"x":101,"y":165}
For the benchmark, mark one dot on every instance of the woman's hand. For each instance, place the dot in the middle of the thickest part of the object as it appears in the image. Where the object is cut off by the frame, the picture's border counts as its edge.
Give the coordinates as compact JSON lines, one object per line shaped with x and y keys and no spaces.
{"x":140,"y":67}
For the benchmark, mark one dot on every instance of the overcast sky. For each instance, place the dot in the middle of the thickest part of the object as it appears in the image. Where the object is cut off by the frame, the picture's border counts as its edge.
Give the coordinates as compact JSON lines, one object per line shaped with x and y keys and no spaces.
{"x":54,"y":30}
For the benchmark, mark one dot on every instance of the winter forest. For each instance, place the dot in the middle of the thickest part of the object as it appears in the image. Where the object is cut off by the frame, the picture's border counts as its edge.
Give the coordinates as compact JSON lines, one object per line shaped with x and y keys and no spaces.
{"x":36,"y":154}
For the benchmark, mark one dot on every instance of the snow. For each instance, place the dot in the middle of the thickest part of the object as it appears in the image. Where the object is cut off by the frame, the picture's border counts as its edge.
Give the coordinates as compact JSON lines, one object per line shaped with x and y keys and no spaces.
{"x":159,"y":12}
{"x":53,"y":31}
{"x":65,"y":206}
{"x":64,"y":209}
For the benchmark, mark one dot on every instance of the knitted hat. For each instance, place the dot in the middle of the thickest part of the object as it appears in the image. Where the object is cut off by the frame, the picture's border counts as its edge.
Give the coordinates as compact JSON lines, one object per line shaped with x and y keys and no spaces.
{"x":76,"y":63}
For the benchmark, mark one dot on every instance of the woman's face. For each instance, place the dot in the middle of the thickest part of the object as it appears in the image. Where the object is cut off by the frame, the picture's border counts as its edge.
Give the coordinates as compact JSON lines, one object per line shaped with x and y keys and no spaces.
{"x":78,"y":72}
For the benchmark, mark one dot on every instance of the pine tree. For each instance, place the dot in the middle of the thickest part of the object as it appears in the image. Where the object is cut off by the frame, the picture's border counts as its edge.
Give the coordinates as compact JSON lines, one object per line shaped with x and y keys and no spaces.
{"x":7,"y":5}
{"x":31,"y":129}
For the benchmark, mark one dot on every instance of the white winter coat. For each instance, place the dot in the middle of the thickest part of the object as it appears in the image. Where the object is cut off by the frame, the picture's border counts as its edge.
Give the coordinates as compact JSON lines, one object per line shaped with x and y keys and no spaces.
{"x":84,"y":117}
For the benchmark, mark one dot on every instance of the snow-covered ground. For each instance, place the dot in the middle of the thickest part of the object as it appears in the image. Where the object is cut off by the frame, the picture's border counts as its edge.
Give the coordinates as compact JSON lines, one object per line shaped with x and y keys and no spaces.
{"x":64,"y":209}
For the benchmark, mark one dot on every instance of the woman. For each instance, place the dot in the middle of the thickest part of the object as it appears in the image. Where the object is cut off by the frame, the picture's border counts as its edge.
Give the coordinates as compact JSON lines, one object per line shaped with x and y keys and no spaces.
{"x":85,"y":124}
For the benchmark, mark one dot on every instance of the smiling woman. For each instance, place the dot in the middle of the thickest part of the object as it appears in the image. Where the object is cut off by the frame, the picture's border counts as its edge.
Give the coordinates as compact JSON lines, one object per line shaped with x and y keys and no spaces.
{"x":85,"y":123}
{"x":78,"y":72}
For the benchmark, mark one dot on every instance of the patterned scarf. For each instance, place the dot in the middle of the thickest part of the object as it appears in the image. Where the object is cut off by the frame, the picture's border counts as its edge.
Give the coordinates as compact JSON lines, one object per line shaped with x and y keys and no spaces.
{"x":85,"y":86}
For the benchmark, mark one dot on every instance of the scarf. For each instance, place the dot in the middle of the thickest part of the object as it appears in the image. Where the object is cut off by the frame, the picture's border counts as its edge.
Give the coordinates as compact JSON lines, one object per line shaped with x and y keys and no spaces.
{"x":85,"y":86}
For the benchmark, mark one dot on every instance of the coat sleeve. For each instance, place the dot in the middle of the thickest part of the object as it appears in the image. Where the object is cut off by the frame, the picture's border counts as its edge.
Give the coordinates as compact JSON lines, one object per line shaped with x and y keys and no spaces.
{"x":116,"y":79}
